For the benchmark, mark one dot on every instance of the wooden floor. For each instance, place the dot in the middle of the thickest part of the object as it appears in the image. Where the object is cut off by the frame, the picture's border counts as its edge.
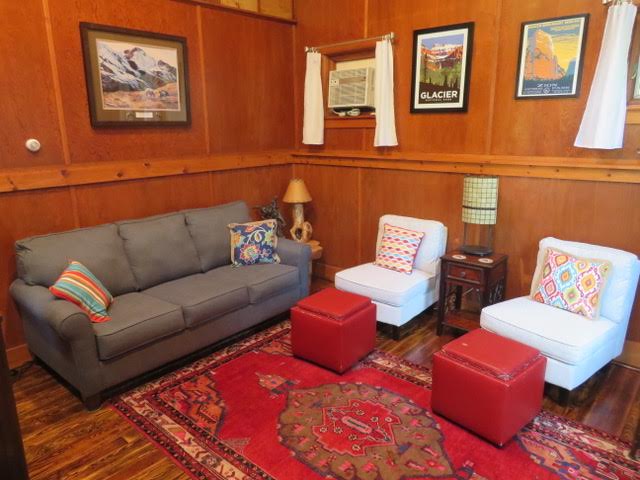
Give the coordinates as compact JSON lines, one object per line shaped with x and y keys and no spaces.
{"x":63,"y":441}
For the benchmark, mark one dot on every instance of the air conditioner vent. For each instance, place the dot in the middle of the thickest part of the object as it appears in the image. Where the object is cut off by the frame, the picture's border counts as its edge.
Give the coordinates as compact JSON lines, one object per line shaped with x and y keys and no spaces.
{"x":351,"y":88}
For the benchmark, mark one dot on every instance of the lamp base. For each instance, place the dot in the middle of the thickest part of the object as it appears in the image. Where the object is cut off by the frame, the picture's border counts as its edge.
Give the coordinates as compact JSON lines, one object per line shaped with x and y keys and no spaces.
{"x":301,"y":230}
{"x":479,"y":250}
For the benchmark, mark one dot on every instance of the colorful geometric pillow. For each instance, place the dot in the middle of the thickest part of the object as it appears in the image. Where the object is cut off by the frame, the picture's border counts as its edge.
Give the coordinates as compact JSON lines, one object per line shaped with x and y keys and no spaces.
{"x":254,"y":242}
{"x":398,"y":248}
{"x":78,"y":285}
{"x":571,"y":283}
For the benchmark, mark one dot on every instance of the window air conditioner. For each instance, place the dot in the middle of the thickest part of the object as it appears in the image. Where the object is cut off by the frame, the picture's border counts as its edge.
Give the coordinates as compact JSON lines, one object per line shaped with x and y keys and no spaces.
{"x":351,"y":88}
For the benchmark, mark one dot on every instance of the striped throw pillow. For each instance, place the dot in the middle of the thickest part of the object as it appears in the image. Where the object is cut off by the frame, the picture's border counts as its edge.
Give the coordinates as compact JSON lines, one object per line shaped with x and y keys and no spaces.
{"x":78,"y":285}
{"x":398,"y":248}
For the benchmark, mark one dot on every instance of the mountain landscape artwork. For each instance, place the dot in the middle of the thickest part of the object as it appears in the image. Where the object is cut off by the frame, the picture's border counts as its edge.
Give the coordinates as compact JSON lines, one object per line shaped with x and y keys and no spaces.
{"x":138,"y":77}
{"x":441,"y":68}
{"x":550,"y":57}
{"x":442,"y":62}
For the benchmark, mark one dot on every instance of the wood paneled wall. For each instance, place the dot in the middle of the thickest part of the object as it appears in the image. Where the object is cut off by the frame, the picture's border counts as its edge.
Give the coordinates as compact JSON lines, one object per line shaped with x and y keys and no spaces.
{"x":348,"y":200}
{"x":495,"y":123}
{"x":240,"y":70}
{"x":243,"y":71}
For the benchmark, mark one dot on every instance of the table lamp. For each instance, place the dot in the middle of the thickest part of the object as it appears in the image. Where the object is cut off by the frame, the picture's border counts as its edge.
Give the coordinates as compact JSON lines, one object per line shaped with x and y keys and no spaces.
{"x":298,"y":195}
{"x":479,"y":207}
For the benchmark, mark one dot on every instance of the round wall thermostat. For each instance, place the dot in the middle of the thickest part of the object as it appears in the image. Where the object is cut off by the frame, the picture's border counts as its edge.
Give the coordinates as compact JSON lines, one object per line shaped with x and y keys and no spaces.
{"x":33,"y":145}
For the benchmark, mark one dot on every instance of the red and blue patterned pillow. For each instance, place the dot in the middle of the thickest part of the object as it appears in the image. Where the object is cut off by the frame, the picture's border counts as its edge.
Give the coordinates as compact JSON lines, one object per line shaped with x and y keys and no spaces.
{"x":78,"y":285}
{"x":254,"y":242}
{"x":398,"y":248}
{"x":571,"y":283}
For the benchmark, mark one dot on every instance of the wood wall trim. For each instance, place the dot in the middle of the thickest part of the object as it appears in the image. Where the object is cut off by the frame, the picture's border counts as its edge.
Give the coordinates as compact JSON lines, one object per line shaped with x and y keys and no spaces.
{"x":560,"y":168}
{"x":240,"y":11}
{"x":13,"y":180}
{"x":34,"y":178}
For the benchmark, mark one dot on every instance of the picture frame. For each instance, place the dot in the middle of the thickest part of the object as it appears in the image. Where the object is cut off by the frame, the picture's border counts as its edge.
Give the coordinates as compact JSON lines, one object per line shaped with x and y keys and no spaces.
{"x":442,"y":68}
{"x":135,"y":78}
{"x":551,"y":56}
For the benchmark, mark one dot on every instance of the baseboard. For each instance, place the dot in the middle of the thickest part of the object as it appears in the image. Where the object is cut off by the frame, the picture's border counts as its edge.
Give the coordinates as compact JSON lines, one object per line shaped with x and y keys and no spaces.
{"x":326,"y":272}
{"x":630,"y":354}
{"x":18,"y":355}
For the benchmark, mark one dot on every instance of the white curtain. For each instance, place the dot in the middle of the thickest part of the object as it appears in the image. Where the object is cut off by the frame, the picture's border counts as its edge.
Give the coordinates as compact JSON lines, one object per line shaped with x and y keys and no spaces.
{"x":313,"y":122}
{"x":385,"y":112}
{"x":604,"y":118}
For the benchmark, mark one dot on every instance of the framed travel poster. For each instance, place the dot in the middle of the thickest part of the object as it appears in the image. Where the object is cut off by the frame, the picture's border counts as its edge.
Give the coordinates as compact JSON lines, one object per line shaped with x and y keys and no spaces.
{"x":441,"y":69}
{"x":551,"y":56}
{"x":135,"y":78}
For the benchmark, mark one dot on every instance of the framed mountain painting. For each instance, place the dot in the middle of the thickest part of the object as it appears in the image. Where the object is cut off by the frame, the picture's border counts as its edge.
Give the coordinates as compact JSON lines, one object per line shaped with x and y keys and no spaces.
{"x":441,"y":69}
{"x":551,"y":55}
{"x":135,"y":78}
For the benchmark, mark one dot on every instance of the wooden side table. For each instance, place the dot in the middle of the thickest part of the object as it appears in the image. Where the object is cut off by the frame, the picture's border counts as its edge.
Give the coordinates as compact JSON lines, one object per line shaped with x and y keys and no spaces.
{"x":461,"y":271}
{"x":316,"y":254}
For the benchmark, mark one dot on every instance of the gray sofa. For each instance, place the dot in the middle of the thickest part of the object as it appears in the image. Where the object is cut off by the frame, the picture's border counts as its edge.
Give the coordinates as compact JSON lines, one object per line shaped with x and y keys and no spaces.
{"x":174,"y":290}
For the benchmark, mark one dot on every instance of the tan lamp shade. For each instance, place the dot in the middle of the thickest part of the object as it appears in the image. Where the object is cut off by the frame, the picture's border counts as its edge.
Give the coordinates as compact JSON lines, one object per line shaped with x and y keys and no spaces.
{"x":480,"y":200}
{"x":296,"y":192}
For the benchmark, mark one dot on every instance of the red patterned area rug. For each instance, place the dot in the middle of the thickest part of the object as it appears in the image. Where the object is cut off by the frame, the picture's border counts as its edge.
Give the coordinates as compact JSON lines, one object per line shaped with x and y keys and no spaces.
{"x":253,"y":411}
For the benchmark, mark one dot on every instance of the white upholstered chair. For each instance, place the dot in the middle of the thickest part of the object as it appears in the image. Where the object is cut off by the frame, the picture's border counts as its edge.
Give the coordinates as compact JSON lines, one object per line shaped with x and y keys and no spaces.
{"x":400,"y":297}
{"x":575,"y":346}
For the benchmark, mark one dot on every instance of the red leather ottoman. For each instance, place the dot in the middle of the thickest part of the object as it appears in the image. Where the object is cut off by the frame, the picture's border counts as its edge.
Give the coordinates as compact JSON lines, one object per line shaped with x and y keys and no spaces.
{"x":333,"y":328}
{"x":489,"y":384}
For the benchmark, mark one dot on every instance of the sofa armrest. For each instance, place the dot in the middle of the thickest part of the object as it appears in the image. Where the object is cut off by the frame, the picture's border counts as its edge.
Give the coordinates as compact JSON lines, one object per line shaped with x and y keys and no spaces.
{"x":65,"y":318}
{"x":297,"y":255}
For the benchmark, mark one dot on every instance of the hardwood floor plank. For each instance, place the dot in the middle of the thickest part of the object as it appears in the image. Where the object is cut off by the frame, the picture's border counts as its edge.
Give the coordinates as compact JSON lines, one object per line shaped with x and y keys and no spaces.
{"x":614,"y":400}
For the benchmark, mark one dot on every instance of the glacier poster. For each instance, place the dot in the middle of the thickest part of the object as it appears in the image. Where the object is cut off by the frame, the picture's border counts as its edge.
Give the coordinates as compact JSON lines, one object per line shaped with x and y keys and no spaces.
{"x":441,"y":70}
{"x":551,"y":53}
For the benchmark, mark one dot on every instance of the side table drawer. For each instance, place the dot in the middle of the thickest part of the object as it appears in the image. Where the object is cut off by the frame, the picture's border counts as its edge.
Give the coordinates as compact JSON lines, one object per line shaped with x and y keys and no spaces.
{"x":467,"y":274}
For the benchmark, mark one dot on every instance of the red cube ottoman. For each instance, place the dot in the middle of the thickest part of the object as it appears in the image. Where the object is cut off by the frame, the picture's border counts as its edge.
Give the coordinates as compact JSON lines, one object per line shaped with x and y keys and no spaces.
{"x":489,"y":384}
{"x":333,"y":328}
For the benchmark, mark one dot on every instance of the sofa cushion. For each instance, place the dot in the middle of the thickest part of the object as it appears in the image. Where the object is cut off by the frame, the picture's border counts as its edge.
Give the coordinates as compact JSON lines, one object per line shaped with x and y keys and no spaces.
{"x":159,"y":249}
{"x":558,"y":334}
{"x":384,"y":286}
{"x":203,"y":297}
{"x":42,"y":259}
{"x":136,"y":320}
{"x":208,"y":228}
{"x":262,"y":280}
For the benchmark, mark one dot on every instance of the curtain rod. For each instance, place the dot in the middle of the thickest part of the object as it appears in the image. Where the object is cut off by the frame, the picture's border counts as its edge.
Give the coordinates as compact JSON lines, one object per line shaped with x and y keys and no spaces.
{"x":617,"y":2}
{"x":389,"y":36}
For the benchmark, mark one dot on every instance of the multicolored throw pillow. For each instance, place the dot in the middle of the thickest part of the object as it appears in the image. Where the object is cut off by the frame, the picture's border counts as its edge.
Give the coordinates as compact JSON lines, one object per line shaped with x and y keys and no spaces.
{"x":78,"y":285}
{"x":398,"y":248}
{"x":254,"y":242}
{"x":571,"y":283}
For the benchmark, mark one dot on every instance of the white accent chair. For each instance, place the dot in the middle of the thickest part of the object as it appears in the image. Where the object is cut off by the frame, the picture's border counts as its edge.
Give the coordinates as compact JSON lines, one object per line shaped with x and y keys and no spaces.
{"x":575,"y":347}
{"x":400,"y":297}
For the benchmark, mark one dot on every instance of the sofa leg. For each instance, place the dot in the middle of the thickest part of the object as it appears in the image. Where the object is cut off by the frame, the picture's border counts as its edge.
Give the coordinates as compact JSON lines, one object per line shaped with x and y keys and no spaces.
{"x":92,"y":402}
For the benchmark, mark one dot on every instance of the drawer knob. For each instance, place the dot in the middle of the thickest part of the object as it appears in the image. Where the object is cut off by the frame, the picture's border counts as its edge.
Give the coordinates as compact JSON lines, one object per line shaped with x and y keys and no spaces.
{"x":463,"y":273}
